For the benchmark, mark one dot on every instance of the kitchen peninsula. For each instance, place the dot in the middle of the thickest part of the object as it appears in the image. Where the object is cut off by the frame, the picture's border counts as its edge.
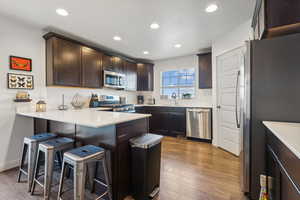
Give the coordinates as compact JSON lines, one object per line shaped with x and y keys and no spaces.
{"x":110,"y":130}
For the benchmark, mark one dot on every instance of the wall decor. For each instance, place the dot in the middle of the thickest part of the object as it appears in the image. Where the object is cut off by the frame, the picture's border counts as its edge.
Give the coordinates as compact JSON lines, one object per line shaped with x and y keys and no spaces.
{"x":19,"y":63}
{"x":20,"y":81}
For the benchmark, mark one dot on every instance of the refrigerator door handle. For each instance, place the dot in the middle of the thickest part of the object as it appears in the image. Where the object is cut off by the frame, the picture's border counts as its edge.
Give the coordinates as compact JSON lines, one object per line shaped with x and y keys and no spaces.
{"x":238,"y":124}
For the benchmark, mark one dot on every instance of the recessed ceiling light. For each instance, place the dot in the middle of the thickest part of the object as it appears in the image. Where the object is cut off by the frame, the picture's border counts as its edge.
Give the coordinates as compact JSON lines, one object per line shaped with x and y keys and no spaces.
{"x":62,"y":12}
{"x":154,"y":25}
{"x":211,"y":8}
{"x":117,"y":38}
{"x":146,"y":52}
{"x":177,"y":45}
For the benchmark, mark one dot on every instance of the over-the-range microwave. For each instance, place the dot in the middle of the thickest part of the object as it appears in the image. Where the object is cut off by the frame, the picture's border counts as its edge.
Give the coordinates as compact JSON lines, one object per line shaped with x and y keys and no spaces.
{"x":114,"y":80}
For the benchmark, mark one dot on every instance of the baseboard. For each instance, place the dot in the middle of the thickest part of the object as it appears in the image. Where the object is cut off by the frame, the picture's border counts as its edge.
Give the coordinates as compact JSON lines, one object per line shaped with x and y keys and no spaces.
{"x":9,"y":165}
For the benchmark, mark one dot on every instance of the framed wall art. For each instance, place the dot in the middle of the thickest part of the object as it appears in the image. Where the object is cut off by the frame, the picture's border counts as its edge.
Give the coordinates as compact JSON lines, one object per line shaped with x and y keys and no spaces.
{"x":19,"y":63}
{"x":20,"y":81}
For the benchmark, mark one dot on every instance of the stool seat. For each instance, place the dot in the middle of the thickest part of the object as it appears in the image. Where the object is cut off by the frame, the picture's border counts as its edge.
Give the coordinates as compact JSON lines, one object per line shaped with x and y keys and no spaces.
{"x":56,"y":143}
{"x":84,"y":153}
{"x":41,"y":137}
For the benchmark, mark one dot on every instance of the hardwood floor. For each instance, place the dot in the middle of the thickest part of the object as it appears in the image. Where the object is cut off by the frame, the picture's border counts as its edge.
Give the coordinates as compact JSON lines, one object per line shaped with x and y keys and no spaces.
{"x":190,"y":171}
{"x":198,"y":171}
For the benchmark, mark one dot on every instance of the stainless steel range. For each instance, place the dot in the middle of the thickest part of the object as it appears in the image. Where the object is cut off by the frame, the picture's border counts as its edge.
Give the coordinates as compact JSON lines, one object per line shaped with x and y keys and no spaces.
{"x":113,"y":102}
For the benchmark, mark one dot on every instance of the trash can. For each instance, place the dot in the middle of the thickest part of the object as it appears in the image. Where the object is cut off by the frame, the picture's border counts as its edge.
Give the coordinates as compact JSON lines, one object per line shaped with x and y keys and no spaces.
{"x":146,"y":159}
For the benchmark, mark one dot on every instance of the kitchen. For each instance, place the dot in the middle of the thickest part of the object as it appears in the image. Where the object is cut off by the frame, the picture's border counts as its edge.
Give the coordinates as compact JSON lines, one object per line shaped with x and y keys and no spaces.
{"x":106,"y":85}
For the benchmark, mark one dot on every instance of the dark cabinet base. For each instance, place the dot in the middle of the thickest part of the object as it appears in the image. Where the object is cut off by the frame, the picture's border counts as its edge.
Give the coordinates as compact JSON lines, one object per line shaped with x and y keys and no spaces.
{"x":168,"y":121}
{"x":283,"y":168}
{"x":114,"y":138}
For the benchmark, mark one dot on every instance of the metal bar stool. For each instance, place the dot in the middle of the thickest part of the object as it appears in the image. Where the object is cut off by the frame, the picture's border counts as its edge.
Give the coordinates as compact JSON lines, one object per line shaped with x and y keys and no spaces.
{"x":30,"y":147}
{"x":78,"y":159}
{"x":50,"y":149}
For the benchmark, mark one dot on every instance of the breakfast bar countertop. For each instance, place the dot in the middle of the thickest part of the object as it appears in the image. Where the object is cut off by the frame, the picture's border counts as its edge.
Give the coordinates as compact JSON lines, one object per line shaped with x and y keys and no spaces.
{"x":287,"y":133}
{"x":90,"y":117}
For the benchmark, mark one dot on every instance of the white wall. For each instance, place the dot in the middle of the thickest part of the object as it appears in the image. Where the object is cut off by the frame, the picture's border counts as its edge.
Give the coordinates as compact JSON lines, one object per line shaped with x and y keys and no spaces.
{"x":18,"y":40}
{"x":203,"y":97}
{"x":234,"y":39}
{"x":24,"y":40}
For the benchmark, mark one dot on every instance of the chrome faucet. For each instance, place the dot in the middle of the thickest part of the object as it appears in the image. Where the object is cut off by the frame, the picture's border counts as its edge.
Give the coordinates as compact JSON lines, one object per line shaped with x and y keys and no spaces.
{"x":174,"y":97}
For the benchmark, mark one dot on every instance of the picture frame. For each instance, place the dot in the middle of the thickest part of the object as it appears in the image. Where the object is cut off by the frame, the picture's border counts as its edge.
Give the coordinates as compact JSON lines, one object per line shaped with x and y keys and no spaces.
{"x":20,"y":81}
{"x":20,"y":63}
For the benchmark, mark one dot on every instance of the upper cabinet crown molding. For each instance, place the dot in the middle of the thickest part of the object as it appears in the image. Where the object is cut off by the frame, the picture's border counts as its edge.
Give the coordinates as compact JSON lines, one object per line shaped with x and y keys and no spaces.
{"x":273,"y":18}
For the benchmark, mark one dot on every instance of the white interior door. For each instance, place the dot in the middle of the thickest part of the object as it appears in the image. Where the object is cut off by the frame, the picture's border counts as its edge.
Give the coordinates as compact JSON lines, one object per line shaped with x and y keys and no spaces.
{"x":228,"y":66}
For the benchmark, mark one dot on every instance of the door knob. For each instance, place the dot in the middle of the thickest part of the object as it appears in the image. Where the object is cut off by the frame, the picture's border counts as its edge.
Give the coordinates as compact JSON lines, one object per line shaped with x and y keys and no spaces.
{"x":218,"y":107}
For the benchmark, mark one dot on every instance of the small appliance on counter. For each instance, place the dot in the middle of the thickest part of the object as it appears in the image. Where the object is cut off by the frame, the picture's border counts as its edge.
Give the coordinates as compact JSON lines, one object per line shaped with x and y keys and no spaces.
{"x":122,"y":100}
{"x":151,"y":101}
{"x":140,"y":99}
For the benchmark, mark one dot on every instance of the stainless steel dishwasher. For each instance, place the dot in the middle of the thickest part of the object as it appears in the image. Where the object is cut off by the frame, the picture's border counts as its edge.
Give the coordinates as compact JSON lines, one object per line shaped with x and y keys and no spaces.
{"x":198,"y":124}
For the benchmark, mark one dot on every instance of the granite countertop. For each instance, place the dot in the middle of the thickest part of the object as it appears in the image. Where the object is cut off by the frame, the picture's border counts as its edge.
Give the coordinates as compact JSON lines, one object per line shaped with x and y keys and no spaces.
{"x":287,"y":133}
{"x":91,"y":117}
{"x":168,"y":105}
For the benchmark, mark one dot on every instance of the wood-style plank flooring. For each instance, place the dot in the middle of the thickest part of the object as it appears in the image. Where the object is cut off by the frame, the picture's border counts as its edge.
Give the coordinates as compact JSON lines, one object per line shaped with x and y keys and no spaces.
{"x":190,"y":171}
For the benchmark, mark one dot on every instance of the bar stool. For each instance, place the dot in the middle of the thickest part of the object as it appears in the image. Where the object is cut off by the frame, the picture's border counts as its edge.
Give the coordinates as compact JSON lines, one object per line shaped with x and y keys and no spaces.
{"x":30,"y":146}
{"x":49,"y":149}
{"x":78,"y":159}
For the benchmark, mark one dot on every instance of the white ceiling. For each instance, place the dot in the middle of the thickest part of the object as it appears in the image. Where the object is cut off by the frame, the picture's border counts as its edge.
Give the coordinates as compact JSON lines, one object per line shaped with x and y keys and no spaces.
{"x":181,"y":21}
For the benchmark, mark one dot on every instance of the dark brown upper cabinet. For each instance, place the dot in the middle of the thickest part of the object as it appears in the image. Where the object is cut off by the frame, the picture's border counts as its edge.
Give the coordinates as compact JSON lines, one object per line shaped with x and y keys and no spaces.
{"x":145,"y":77}
{"x":107,"y":62}
{"x":131,"y":75}
{"x":205,"y":71}
{"x":275,"y":18}
{"x":118,"y":64}
{"x":72,"y":63}
{"x":113,"y":63}
{"x":63,"y":60}
{"x":92,"y":76}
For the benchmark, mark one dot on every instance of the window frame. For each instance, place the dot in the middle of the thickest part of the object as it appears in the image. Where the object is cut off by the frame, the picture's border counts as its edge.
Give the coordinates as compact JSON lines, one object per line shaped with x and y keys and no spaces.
{"x":178,"y":87}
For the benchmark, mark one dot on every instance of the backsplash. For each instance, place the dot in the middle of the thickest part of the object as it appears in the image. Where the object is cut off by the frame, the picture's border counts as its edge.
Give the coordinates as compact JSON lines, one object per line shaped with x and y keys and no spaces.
{"x":54,"y":95}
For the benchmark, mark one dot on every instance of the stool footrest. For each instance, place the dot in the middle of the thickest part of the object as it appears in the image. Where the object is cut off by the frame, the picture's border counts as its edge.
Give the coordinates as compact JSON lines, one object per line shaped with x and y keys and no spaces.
{"x":102,"y":195}
{"x":23,"y":171}
{"x":100,"y":182}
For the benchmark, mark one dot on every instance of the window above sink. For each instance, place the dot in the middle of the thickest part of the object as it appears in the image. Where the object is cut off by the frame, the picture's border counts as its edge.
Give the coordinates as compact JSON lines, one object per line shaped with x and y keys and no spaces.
{"x":179,"y":83}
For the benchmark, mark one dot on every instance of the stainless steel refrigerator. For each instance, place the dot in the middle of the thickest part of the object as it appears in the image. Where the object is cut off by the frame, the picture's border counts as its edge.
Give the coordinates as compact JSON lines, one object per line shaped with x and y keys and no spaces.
{"x":270,"y":90}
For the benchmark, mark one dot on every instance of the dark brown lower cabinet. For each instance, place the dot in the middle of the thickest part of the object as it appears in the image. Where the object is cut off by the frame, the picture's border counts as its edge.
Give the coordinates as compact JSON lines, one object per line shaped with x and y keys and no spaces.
{"x":169,"y":121}
{"x":284,"y":168}
{"x":159,"y":122}
{"x":113,"y":138}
